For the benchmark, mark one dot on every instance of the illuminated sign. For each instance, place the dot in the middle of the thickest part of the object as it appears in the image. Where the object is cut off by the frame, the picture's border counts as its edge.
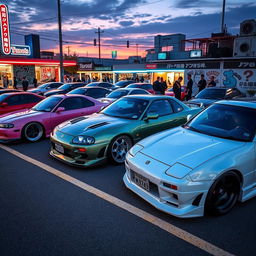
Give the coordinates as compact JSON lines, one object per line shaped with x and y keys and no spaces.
{"x":5,"y":31}
{"x":151,"y":66}
{"x":114,"y":54}
{"x":195,"y":53}
{"x":85,"y":66}
{"x":103,"y":68}
{"x":161,"y":56}
{"x":23,"y":50}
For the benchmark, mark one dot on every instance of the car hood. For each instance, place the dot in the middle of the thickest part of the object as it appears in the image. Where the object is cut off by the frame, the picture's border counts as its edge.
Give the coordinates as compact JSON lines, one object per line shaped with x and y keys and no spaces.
{"x":186,"y":147}
{"x":205,"y":102}
{"x":14,"y":116}
{"x":93,"y":123}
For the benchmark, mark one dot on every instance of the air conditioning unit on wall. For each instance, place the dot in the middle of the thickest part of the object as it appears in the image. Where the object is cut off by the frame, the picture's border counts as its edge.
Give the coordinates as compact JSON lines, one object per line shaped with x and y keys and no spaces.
{"x":248,"y":28}
{"x":245,"y":47}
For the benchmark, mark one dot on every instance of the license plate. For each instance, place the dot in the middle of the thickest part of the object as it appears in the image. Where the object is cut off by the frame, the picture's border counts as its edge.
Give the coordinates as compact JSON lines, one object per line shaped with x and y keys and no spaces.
{"x":140,"y":181}
{"x":59,"y":148}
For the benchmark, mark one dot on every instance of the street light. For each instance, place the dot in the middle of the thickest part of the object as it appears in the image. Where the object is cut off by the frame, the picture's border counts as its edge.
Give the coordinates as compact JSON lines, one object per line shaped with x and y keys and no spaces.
{"x":60,"y":43}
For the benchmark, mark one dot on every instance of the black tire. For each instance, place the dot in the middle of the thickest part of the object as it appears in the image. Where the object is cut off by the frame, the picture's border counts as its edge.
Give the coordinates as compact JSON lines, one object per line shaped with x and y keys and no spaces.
{"x":33,"y":132}
{"x":223,"y":194}
{"x":118,"y":148}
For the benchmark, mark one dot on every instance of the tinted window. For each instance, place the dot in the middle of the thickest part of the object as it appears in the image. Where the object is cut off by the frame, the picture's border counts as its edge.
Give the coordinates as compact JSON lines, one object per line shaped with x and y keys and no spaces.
{"x":160,"y":107}
{"x":118,"y":94}
{"x":73,"y":86}
{"x":213,"y":94}
{"x":134,"y":92}
{"x":78,"y":91}
{"x":130,"y":108}
{"x":3,"y":96}
{"x":92,"y":84}
{"x":48,"y":104}
{"x":65,"y":86}
{"x":15,"y":100}
{"x":96,"y":93}
{"x":31,"y":98}
{"x":146,"y":86}
{"x":75,"y":103}
{"x":55,"y":85}
{"x":226,"y":121}
{"x":176,"y":106}
{"x":124,"y":83}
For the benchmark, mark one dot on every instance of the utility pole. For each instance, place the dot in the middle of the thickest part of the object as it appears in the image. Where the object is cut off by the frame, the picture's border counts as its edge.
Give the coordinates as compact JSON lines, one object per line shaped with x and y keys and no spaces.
{"x":223,"y":16}
{"x":137,"y":51}
{"x":60,"y":43}
{"x":99,"y":32}
{"x":68,"y":49}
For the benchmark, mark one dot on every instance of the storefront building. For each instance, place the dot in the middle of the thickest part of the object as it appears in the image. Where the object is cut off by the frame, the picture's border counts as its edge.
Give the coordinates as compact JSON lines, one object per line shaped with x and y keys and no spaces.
{"x":41,"y":69}
{"x":91,"y":73}
{"x":227,"y":72}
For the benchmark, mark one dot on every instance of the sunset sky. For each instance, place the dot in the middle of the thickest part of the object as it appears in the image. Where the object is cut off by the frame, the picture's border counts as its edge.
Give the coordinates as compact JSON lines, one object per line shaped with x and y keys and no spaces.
{"x":135,"y":20}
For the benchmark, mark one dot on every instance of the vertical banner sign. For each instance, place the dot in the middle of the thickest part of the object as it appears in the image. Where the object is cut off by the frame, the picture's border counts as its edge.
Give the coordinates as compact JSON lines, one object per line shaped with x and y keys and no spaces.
{"x":5,"y":31}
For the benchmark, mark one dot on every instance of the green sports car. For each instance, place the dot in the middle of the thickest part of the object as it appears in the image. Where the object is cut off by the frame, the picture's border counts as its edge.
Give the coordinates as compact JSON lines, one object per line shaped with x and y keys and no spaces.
{"x":90,"y":140}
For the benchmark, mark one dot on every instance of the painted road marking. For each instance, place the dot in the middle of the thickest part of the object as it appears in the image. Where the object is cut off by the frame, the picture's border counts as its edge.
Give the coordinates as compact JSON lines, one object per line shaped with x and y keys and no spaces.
{"x":171,"y":229}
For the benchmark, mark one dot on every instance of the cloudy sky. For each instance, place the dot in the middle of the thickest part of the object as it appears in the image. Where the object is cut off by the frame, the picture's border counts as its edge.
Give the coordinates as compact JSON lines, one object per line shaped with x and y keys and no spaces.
{"x":135,"y":20}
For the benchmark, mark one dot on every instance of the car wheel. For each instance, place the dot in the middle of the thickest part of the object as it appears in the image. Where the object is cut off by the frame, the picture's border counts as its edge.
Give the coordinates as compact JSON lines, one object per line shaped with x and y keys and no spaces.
{"x":33,"y":132}
{"x":223,"y":194}
{"x":118,"y":148}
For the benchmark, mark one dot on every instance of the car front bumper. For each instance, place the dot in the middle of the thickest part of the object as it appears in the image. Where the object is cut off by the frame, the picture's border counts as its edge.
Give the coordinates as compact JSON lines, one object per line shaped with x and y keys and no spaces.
{"x":10,"y":134}
{"x":94,"y":154}
{"x":184,"y":202}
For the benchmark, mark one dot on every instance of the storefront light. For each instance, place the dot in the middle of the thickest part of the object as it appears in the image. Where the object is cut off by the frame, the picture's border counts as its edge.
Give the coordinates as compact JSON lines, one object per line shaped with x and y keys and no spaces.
{"x":149,"y":71}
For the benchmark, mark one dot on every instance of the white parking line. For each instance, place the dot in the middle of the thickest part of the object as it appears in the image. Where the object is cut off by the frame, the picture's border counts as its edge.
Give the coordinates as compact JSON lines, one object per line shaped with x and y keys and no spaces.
{"x":171,"y":229}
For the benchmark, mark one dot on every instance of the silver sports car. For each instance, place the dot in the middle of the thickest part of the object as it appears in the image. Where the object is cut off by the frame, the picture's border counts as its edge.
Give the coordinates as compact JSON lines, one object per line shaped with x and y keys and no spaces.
{"x":205,"y":166}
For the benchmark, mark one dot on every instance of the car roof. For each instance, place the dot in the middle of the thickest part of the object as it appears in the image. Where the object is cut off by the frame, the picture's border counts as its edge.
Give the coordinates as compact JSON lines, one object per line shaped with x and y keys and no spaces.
{"x":238,"y":103}
{"x":130,"y":89}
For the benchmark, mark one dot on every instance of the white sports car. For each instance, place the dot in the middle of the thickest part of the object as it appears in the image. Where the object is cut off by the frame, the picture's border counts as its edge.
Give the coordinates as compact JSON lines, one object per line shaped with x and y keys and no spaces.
{"x":207,"y":165}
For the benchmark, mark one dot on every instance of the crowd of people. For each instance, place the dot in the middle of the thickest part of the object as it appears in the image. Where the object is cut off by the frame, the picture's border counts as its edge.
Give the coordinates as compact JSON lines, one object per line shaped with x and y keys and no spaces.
{"x":160,"y":86}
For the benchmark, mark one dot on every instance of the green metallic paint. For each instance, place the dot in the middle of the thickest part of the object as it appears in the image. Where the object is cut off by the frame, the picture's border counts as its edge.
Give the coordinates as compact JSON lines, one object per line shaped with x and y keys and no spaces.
{"x":111,"y":128}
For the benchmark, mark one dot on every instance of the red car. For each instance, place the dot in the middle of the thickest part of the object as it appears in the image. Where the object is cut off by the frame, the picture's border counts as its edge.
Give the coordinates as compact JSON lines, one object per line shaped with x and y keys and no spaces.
{"x":170,"y":92}
{"x":144,"y":86}
{"x":14,"y":101}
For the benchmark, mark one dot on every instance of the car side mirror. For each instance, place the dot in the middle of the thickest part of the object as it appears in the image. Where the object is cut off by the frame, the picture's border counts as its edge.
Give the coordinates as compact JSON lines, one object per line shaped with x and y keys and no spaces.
{"x":60,"y":109}
{"x":4,"y":104}
{"x":189,"y":117}
{"x":151,"y":116}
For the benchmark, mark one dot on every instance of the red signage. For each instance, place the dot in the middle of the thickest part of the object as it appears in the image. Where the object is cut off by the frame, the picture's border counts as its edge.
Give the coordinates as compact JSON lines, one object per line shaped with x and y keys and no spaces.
{"x":5,"y":31}
{"x":151,"y":66}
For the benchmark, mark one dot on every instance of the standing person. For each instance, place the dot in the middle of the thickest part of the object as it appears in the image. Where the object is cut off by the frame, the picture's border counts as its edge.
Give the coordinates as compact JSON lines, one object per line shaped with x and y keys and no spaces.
{"x":189,"y":87}
{"x":163,"y":86}
{"x":212,"y":83}
{"x":177,"y":88}
{"x":24,"y":84}
{"x":142,"y":79}
{"x":15,"y":82}
{"x":5,"y":81}
{"x":157,"y":86}
{"x":35,"y":82}
{"x":202,"y":83}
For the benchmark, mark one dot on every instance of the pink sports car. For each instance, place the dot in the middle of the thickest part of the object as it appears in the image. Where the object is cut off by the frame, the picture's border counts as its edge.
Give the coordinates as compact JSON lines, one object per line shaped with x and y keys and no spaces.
{"x":40,"y":120}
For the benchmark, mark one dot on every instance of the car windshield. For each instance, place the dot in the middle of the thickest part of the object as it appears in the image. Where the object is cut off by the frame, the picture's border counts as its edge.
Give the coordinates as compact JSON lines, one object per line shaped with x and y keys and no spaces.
{"x":64,"y":86}
{"x":42,"y":86}
{"x":47,"y":105}
{"x":78,"y":91}
{"x":171,"y":89}
{"x":226,"y":121}
{"x":3,"y":97}
{"x":213,"y":94}
{"x":93,"y":84}
{"x":130,"y":108}
{"x":117,"y":94}
{"x":123,"y":83}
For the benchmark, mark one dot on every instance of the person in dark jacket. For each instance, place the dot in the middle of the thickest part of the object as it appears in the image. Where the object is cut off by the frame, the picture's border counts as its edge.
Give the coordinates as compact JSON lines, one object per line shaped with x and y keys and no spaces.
{"x":157,"y":86}
{"x":15,"y":82}
{"x":35,"y":82}
{"x":202,"y":83}
{"x":212,"y":83}
{"x":189,"y":87}
{"x":163,"y":86}
{"x":24,"y":84}
{"x":177,"y":88}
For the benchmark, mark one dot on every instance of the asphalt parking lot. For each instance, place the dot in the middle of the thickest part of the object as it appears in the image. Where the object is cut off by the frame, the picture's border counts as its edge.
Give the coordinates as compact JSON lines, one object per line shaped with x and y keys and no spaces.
{"x":44,"y":213}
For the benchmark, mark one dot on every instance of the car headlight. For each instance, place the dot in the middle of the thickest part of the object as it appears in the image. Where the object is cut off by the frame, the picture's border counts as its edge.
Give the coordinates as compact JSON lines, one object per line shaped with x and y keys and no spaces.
{"x":6,"y":126}
{"x":83,"y":140}
{"x":178,"y":171}
{"x":135,"y":149}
